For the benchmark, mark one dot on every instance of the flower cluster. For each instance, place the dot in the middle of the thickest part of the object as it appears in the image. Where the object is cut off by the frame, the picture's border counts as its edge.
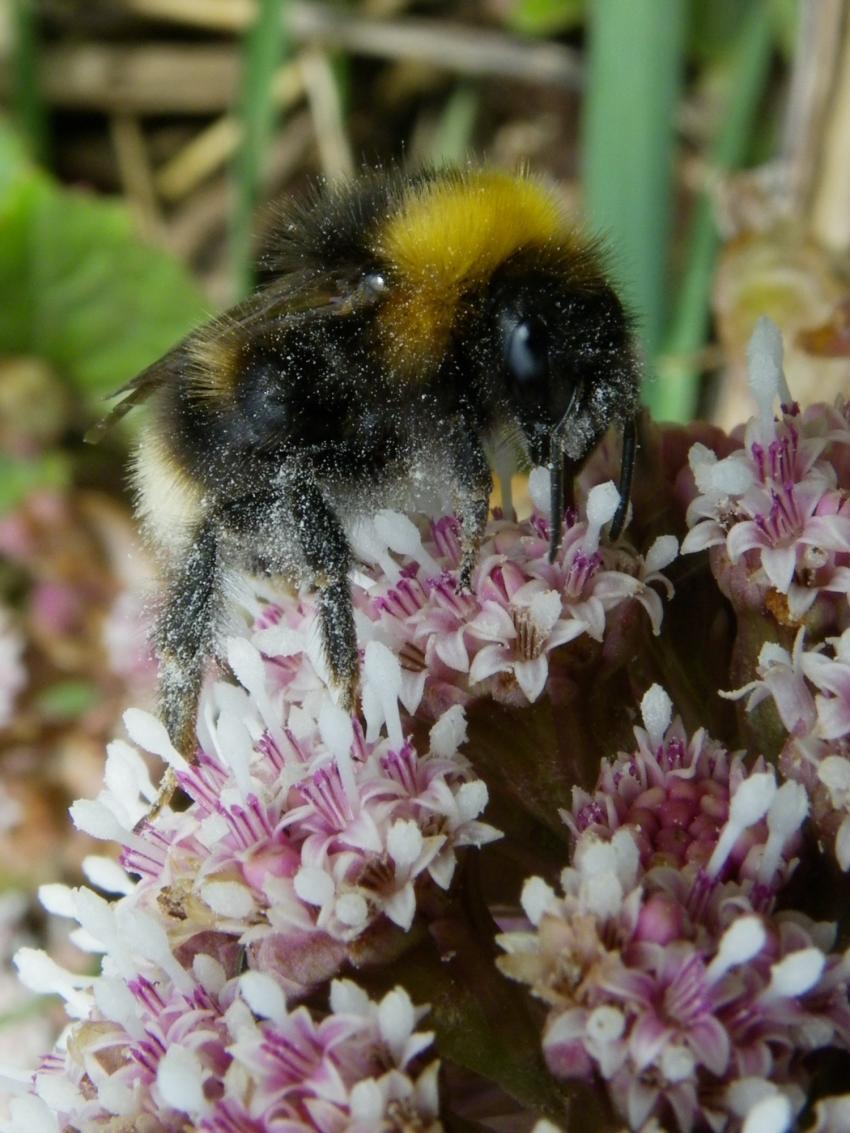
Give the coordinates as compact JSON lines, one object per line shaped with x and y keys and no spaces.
{"x":311,"y":837}
{"x":810,"y":690}
{"x":301,"y":835}
{"x":681,"y":972}
{"x":496,"y":638}
{"x":667,"y":973}
{"x":224,"y":1053}
{"x":673,"y":792}
{"x":777,"y":509}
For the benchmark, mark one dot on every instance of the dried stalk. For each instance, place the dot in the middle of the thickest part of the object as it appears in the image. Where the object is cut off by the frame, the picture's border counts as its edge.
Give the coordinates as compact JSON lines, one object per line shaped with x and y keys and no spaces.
{"x":831,"y":206}
{"x":134,"y":169}
{"x":816,"y":61}
{"x":453,"y":47}
{"x":323,"y":96}
{"x":213,"y":15}
{"x":450,"y":47}
{"x":148,"y":79}
{"x":194,"y":224}
{"x":214,"y":145}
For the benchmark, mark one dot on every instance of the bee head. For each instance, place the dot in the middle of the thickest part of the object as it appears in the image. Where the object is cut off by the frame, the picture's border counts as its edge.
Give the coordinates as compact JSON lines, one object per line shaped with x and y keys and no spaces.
{"x":565,"y":360}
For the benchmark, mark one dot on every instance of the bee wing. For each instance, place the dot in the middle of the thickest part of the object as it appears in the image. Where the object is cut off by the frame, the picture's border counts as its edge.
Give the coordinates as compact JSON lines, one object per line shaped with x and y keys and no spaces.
{"x":292,"y":297}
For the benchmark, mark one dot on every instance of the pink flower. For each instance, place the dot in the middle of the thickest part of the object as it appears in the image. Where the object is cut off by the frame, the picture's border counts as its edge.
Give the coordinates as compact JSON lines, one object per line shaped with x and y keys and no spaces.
{"x":782,"y":677}
{"x":831,"y":677}
{"x":811,"y":692}
{"x":667,"y":974}
{"x":832,"y":1115}
{"x":312,"y":830}
{"x":497,"y":639}
{"x":225,"y":1053}
{"x":773,"y":505}
{"x":794,"y":527}
{"x":672,"y":791}
{"x":519,"y":634}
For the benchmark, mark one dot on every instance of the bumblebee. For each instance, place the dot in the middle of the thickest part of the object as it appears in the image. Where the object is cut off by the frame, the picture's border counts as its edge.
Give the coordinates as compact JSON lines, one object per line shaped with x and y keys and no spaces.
{"x":410,"y":321}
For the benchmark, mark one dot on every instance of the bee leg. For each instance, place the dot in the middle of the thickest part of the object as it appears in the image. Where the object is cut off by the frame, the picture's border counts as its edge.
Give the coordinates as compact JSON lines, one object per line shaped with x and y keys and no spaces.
{"x":473,"y":485}
{"x":327,"y":556}
{"x":185,"y":635}
{"x":339,"y":639}
{"x":627,"y":467}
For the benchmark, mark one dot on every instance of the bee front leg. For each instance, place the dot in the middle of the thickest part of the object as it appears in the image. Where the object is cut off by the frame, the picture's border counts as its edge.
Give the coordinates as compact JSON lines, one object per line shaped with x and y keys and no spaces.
{"x":339,"y":639}
{"x":327,"y":556}
{"x":473,"y":484}
{"x":627,"y":467}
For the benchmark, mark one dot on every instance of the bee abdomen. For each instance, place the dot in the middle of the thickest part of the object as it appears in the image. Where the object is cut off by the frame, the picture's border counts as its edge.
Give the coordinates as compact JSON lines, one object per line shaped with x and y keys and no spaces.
{"x":169,"y":501}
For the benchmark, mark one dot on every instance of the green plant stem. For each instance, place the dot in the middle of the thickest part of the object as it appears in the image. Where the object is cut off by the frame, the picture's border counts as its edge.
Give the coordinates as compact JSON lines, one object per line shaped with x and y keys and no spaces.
{"x":455,"y":126}
{"x":635,"y":60}
{"x":265,"y":46}
{"x":674,"y":396}
{"x":28,"y":104}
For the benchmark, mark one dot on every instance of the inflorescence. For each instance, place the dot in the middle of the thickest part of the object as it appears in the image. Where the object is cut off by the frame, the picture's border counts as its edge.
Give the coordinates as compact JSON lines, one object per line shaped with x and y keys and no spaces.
{"x":253,"y":946}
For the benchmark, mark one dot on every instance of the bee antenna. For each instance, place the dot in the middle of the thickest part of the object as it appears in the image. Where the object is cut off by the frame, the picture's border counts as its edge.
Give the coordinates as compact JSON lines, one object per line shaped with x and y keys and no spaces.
{"x":627,"y":467}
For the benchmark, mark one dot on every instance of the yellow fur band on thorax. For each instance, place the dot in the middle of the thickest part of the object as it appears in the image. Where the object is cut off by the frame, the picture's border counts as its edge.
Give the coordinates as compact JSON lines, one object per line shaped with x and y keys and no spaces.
{"x":447,"y":239}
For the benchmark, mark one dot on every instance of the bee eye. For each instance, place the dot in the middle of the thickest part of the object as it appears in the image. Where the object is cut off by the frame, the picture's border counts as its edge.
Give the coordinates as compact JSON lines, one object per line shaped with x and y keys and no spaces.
{"x":527,"y":352}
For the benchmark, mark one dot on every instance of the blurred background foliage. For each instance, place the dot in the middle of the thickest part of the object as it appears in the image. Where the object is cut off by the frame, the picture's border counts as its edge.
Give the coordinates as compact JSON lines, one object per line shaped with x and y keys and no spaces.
{"x":142,"y":142}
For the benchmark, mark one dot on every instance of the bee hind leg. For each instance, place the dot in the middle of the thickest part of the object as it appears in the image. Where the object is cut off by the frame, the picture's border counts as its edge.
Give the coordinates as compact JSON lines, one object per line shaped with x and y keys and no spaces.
{"x":185,"y":634}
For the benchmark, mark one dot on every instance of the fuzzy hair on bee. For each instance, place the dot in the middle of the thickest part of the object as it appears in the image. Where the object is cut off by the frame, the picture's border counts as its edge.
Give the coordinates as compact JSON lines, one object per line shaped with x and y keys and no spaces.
{"x":408,"y":323}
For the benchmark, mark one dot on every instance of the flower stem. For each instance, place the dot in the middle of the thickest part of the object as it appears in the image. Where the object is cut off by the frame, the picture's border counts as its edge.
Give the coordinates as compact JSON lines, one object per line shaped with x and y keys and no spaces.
{"x":674,"y":396}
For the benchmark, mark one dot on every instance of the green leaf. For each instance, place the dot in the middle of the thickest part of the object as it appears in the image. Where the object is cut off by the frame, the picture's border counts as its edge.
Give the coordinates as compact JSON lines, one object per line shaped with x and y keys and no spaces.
{"x":786,"y":17}
{"x":713,"y":27}
{"x":13,"y":162}
{"x":78,"y":288}
{"x":455,"y":126}
{"x":635,"y":64}
{"x":20,"y":477}
{"x":265,"y":45}
{"x":674,"y":395}
{"x":544,"y":17}
{"x":66,"y":700}
{"x":27,"y":96}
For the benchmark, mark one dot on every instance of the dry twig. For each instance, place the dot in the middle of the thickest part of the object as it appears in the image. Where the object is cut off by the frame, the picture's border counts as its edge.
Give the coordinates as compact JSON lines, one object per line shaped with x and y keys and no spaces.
{"x":205,"y":215}
{"x":451,"y":47}
{"x":328,"y":120}
{"x":131,"y":155}
{"x":216,"y":143}
{"x":140,"y":79}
